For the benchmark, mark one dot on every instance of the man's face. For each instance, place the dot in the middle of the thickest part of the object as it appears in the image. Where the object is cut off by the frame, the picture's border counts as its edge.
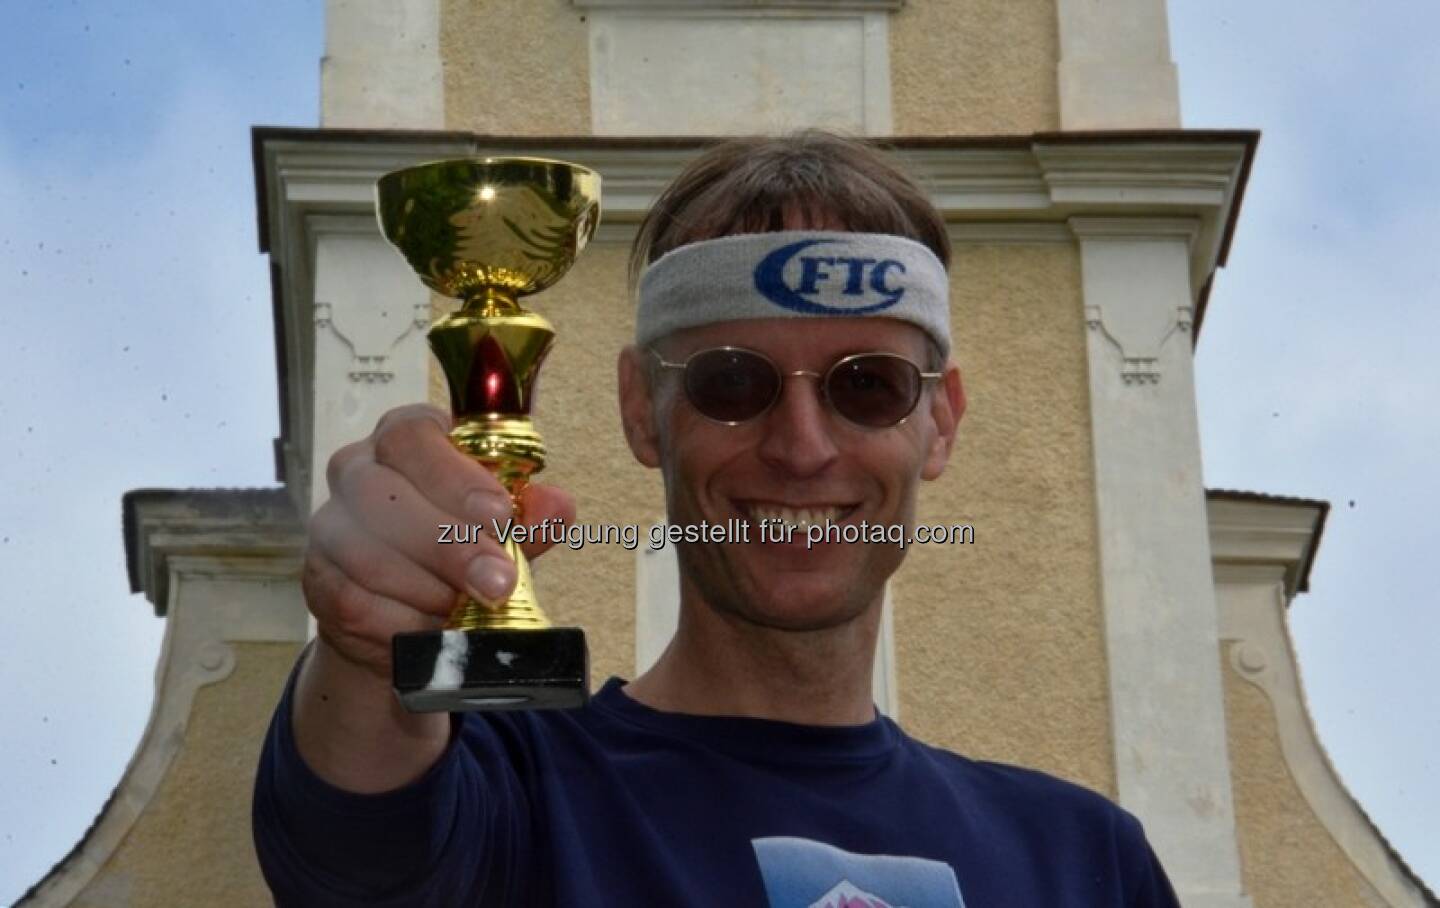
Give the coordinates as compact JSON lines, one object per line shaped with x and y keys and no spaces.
{"x":798,"y":460}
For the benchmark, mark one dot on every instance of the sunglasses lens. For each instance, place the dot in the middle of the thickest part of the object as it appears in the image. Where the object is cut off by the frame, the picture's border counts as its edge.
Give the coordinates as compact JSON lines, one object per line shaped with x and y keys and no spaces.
{"x":874,"y":390}
{"x":730,"y":385}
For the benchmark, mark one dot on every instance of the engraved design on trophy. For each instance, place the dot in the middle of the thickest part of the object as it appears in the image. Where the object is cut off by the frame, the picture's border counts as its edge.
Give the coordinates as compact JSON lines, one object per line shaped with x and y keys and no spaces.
{"x":490,"y":231}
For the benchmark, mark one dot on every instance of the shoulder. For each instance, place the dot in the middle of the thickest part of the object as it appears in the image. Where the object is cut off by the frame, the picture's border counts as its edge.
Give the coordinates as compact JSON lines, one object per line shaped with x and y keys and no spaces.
{"x":1067,"y":829}
{"x":1025,"y":797}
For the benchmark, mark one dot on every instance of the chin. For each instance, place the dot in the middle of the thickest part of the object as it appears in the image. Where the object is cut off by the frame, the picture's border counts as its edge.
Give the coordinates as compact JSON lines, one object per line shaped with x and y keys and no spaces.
{"x":787,"y":608}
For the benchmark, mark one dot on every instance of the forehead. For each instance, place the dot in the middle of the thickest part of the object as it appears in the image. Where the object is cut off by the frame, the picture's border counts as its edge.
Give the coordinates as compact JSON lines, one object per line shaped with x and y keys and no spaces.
{"x":792,"y":338}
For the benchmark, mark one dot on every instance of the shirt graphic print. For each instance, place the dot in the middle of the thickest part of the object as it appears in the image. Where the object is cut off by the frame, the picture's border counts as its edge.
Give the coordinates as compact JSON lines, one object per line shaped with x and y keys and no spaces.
{"x":801,"y":873}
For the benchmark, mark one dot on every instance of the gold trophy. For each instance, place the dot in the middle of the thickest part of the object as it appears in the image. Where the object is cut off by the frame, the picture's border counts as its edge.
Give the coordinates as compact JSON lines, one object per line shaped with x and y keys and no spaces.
{"x":488,"y":231}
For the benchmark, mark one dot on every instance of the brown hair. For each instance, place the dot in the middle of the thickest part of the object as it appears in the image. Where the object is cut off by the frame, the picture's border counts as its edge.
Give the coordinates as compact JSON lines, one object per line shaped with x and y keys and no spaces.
{"x":807,"y":180}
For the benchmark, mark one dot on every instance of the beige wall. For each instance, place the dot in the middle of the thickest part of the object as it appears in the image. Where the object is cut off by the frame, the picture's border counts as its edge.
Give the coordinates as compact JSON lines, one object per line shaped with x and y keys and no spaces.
{"x":521,"y":67}
{"x":515,"y":67}
{"x":1288,"y":857}
{"x":982,"y":67}
{"x":1000,"y":644}
{"x":192,"y":845}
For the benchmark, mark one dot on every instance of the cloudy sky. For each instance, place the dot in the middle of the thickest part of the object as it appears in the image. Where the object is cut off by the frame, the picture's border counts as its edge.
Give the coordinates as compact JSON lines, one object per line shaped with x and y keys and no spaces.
{"x":134,"y":312}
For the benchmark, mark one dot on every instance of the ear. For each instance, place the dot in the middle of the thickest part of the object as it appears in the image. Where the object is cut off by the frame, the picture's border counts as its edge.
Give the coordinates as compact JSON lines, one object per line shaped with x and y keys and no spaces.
{"x":637,"y":412}
{"x":947,"y":405}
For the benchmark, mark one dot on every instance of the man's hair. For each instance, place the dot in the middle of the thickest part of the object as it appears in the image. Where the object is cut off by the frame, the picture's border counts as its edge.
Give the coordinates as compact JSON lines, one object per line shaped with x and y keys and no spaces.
{"x":810,"y":180}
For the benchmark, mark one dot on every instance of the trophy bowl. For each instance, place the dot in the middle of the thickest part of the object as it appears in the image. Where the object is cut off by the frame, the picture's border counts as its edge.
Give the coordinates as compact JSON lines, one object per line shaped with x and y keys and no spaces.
{"x":512,"y":225}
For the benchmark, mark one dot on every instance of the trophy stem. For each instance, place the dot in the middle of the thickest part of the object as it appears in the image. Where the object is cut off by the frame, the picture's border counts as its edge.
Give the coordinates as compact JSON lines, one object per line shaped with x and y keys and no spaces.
{"x":490,"y":351}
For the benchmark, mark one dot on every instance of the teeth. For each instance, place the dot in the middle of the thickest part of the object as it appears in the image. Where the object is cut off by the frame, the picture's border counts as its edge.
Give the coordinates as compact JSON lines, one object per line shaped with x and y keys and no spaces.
{"x":800,"y":518}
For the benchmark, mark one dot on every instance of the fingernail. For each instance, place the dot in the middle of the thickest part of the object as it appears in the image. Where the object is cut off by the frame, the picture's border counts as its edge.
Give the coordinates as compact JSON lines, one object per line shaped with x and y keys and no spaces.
{"x":486,"y":506}
{"x":490,"y":578}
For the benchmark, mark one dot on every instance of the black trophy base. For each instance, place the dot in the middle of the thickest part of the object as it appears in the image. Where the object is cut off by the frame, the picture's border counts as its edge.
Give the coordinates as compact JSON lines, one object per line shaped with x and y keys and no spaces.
{"x":468,"y":671}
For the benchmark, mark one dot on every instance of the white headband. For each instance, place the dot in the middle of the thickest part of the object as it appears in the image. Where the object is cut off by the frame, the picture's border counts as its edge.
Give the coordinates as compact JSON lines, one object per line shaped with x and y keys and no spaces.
{"x":792,"y":274}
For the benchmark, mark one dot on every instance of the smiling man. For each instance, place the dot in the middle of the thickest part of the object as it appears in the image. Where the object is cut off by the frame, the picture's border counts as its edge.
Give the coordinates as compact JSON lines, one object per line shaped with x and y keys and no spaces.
{"x":791,"y":369}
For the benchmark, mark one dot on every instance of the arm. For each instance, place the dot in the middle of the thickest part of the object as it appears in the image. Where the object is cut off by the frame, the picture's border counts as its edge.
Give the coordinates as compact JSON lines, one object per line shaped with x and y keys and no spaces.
{"x":351,"y":730}
{"x":373,"y":569}
{"x":345,"y":767}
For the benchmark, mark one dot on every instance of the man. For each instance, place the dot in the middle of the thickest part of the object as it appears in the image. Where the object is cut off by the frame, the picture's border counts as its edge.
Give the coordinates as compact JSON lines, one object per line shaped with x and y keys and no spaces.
{"x":790,"y":370}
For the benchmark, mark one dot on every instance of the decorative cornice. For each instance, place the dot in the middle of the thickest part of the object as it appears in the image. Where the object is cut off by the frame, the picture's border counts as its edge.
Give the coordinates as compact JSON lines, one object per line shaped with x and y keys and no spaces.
{"x":162,"y":525}
{"x":1008,"y":233}
{"x":1256,"y":531}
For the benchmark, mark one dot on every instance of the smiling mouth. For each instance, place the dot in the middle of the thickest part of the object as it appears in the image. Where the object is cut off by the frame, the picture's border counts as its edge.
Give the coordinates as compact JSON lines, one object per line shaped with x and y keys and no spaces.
{"x":799,"y":517}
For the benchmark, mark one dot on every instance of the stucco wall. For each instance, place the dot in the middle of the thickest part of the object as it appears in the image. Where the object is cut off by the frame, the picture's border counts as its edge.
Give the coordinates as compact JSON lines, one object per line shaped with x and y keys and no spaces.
{"x":1000,"y":644}
{"x":982,"y":67}
{"x":1287,"y":856}
{"x":515,"y":67}
{"x":192,"y":845}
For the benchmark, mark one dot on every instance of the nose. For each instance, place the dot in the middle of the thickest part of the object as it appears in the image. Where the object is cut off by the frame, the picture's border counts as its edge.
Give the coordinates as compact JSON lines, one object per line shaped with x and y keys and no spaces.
{"x":797,"y":429}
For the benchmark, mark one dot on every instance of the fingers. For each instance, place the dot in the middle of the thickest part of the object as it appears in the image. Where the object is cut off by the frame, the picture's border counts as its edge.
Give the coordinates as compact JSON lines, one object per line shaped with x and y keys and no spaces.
{"x":387,"y":506}
{"x":413,"y":441}
{"x":356,"y":622}
{"x":376,"y":567}
{"x":377,"y":564}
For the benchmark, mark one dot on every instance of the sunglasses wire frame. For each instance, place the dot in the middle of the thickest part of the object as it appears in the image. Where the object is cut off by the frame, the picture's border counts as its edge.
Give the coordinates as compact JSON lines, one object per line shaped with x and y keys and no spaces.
{"x":822,"y":378}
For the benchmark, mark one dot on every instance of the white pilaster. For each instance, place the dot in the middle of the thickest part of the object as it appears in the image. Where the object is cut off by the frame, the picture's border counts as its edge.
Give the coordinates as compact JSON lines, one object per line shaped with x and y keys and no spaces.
{"x":381,"y":67}
{"x":1115,"y":70}
{"x":701,"y":67}
{"x":370,"y":318}
{"x":1167,"y":703}
{"x":352,"y":314}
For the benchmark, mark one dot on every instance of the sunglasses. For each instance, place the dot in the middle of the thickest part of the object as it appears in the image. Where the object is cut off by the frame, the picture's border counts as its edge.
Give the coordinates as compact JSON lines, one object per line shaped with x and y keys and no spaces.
{"x":734,"y":385}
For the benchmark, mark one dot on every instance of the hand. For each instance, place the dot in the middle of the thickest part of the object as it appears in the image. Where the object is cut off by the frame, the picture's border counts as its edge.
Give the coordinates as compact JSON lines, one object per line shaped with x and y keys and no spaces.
{"x":373,"y":567}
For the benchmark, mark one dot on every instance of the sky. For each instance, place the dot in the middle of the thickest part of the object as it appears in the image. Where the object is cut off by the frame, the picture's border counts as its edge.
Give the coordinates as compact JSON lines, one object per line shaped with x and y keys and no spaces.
{"x":138,"y":352}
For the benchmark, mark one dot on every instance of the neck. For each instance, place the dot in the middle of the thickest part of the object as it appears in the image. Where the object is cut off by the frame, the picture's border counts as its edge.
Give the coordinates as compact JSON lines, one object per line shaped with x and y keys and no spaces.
{"x":720,"y":665}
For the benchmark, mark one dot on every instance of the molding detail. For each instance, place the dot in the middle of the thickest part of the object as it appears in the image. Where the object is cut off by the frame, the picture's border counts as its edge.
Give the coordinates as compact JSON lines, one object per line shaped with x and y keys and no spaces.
{"x":369,"y":367}
{"x":1128,"y":324}
{"x":1265,"y":530}
{"x":222,"y":567}
{"x":1009,"y":233}
{"x":1139,"y":369}
{"x":1257,"y":648}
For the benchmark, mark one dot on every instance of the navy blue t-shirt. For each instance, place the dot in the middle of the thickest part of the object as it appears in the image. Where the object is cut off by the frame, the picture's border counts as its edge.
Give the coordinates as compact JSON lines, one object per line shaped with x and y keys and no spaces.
{"x":618,"y":804}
